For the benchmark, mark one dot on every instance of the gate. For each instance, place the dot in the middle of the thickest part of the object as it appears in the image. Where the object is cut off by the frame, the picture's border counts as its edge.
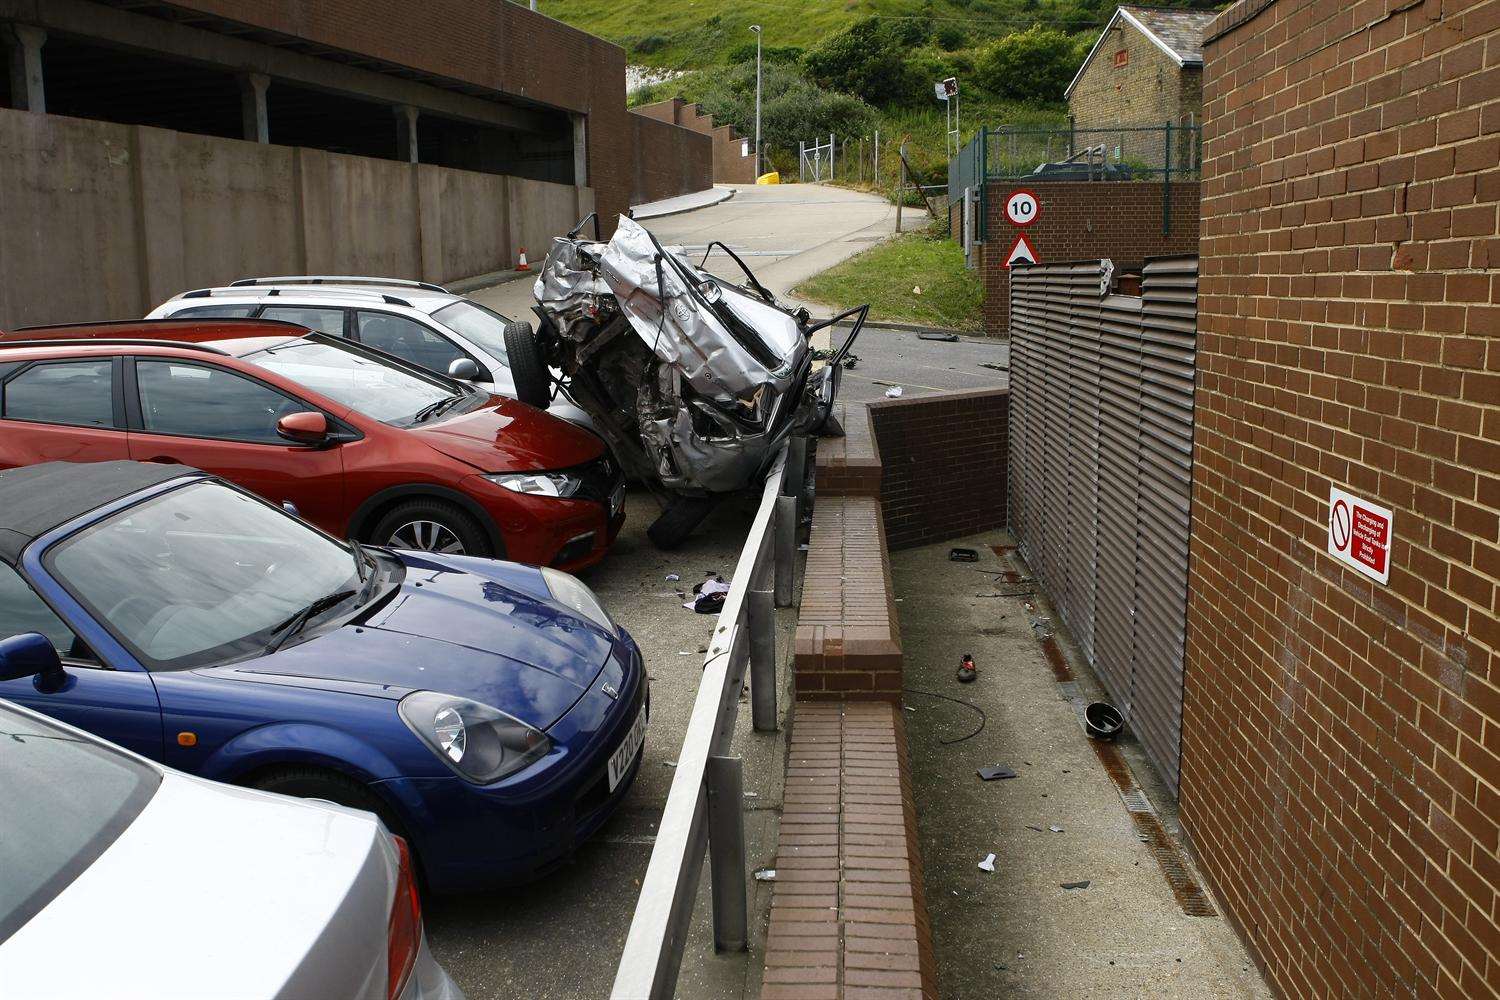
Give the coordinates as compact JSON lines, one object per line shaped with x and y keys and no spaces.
{"x":1101,"y":445}
{"x":815,"y":161}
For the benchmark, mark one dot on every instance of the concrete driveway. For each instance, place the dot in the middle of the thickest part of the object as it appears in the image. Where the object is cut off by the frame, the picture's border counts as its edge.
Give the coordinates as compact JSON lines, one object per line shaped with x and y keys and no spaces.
{"x":784,"y":232}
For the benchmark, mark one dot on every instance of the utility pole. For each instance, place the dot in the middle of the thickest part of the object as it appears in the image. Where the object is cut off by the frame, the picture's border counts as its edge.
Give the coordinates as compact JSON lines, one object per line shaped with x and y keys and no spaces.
{"x":756,"y":28}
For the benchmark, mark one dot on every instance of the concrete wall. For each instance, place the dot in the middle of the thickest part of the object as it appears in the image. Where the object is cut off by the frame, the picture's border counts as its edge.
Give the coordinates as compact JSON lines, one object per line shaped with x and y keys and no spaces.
{"x":730,"y":166}
{"x":104,"y":221}
{"x":1341,"y":737}
{"x":1084,"y":220}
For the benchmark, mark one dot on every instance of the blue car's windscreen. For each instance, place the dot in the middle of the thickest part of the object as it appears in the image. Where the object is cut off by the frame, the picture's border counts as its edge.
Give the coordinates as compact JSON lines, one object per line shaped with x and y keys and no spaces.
{"x":202,"y":574}
{"x":67,"y":798}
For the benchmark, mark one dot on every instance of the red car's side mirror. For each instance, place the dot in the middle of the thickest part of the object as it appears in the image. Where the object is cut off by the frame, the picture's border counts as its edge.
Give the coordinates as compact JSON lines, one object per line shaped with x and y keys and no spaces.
{"x":304,"y":428}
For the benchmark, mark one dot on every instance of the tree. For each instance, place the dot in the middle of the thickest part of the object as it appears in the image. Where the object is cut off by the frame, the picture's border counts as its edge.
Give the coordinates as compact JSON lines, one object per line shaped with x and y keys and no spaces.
{"x":869,"y":60}
{"x":1031,"y":65}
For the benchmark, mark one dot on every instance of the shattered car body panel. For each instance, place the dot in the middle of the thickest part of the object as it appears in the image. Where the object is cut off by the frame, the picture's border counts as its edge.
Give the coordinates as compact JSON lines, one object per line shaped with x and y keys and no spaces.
{"x":699,"y":378}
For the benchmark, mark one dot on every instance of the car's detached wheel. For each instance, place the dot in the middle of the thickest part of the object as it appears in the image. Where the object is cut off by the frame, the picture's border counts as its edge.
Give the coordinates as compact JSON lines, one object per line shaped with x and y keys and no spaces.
{"x":527,"y":370}
{"x":431,"y":526}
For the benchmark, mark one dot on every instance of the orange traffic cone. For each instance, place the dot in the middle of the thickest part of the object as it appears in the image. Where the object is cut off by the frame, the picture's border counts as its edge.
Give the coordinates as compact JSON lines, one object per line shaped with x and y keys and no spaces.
{"x":523,"y":266}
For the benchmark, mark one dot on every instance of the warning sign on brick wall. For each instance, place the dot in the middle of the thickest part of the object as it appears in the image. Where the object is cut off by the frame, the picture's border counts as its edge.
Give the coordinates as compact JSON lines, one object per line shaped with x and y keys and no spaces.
{"x":1360,"y":533}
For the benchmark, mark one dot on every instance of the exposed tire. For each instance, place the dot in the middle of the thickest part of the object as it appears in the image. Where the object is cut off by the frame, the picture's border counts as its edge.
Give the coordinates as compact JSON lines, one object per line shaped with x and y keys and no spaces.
{"x":682,"y":515}
{"x":533,"y":383}
{"x":432,"y":525}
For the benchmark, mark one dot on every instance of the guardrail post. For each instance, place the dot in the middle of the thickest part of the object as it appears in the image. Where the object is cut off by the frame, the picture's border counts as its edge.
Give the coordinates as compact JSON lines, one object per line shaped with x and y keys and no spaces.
{"x":794,"y":479}
{"x":726,"y":852}
{"x":762,"y":621}
{"x":786,"y":549}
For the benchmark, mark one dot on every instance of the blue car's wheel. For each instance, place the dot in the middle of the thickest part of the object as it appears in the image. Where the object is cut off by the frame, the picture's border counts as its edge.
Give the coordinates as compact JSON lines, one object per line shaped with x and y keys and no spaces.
{"x":329,"y":786}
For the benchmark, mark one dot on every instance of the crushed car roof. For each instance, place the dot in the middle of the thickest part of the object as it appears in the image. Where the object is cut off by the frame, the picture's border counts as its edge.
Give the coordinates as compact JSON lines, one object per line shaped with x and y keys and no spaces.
{"x":35,"y":499}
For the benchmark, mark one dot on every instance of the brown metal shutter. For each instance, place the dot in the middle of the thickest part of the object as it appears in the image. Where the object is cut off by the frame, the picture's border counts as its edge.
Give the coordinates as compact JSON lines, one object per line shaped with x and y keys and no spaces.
{"x":1101,"y":473}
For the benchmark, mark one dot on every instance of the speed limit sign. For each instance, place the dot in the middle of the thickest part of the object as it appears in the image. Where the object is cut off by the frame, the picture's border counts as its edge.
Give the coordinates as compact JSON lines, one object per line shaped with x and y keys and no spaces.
{"x":1022,"y":208}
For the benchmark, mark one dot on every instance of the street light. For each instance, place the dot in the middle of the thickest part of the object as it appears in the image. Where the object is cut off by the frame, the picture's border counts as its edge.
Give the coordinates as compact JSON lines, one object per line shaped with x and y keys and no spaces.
{"x":756,"y":28}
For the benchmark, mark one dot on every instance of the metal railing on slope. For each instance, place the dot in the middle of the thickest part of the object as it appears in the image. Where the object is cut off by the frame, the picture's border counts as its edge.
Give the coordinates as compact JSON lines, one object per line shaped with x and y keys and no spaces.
{"x":704,"y":809}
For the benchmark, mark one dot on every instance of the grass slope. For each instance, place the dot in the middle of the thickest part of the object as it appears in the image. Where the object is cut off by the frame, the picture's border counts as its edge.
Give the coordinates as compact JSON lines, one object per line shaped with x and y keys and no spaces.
{"x":884,"y":276}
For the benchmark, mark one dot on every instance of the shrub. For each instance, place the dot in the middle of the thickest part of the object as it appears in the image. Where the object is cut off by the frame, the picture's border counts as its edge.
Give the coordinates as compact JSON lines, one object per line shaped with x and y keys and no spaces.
{"x":1034,"y":65}
{"x":792,"y":107}
{"x":869,"y":60}
{"x":768,"y":54}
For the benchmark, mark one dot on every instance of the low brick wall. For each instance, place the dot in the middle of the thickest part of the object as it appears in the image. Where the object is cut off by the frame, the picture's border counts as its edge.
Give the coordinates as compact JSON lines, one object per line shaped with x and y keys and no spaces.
{"x":943,"y":462}
{"x":848,"y":914}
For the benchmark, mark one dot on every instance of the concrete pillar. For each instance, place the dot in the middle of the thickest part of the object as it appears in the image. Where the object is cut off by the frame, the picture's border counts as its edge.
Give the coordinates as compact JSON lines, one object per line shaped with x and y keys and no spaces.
{"x":25,"y":42}
{"x":256,"y":123}
{"x":580,"y":150}
{"x":406,"y":133}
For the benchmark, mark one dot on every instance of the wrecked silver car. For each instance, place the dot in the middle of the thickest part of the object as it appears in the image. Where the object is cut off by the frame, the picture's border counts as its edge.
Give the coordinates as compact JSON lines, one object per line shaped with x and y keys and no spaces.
{"x":693,"y":381}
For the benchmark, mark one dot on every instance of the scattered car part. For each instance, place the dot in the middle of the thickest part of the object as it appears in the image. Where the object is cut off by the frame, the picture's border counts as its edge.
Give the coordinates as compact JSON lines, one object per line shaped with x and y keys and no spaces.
{"x":1102,"y":720}
{"x":963,"y":555}
{"x":988,"y":864}
{"x":693,"y":381}
{"x":995,"y":773}
{"x":967,"y":671}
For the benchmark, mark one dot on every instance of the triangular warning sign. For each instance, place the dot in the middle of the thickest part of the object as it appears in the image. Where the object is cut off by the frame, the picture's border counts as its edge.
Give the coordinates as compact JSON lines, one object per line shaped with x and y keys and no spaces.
{"x":1021,"y":253}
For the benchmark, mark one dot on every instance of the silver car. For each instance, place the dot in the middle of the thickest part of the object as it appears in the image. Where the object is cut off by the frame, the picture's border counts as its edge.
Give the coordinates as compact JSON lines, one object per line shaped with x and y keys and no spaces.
{"x":416,"y":321}
{"x":692,"y":380}
{"x":121,"y":878}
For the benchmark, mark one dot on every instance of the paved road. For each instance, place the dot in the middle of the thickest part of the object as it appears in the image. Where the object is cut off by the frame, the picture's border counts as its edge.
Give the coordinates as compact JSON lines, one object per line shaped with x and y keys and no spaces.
{"x":784,"y":232}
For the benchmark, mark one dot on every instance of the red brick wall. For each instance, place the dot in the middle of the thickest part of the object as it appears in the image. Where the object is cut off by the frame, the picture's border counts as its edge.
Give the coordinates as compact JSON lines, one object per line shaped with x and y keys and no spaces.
{"x":670,"y":160}
{"x":1341,"y":739}
{"x":1085,"y":220}
{"x":942,"y":464}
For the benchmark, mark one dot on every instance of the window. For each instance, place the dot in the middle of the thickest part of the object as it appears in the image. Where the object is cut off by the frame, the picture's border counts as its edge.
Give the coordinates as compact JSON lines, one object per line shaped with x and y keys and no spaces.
{"x":22,"y":611}
{"x":67,"y":798}
{"x":199,"y":401}
{"x":222,"y":571}
{"x":482,"y":326}
{"x":322,"y":320}
{"x":79,"y":393}
{"x":357,"y":380}
{"x":1122,"y":58}
{"x":407,"y":340}
{"x":224,"y":310}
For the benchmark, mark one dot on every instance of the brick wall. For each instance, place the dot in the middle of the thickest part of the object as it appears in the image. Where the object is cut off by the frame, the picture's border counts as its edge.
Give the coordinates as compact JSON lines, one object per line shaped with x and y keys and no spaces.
{"x":1121,"y":220}
{"x":729,"y":166}
{"x":1148,"y":90}
{"x":1341,"y":739}
{"x":670,"y":160}
{"x":942,"y":464}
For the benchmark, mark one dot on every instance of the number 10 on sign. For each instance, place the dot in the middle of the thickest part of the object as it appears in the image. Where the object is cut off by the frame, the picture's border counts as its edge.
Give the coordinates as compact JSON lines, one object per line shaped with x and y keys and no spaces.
{"x":1022,"y":208}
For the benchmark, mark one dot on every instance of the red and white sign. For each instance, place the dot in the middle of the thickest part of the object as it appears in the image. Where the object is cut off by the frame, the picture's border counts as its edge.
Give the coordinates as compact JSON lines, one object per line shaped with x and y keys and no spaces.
{"x":1022,"y":208}
{"x":1021,"y":253}
{"x":1360,"y":534}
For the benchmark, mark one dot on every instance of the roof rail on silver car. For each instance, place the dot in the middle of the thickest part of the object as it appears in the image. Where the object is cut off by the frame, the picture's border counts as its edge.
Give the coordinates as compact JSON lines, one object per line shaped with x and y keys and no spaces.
{"x":336,"y":279}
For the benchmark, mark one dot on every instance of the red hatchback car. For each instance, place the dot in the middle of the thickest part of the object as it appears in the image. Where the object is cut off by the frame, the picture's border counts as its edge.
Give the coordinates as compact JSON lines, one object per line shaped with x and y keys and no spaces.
{"x":362,"y":444}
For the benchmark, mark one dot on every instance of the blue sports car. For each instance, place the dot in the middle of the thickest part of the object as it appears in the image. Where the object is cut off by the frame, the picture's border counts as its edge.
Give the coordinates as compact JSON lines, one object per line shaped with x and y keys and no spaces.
{"x":489,"y":712}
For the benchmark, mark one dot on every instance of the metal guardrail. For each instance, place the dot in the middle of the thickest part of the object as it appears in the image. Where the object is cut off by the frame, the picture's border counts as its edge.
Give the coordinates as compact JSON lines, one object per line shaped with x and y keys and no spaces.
{"x":705,"y":806}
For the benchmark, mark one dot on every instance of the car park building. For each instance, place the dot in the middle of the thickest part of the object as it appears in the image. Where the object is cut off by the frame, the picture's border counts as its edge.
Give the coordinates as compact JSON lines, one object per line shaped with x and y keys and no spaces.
{"x":150,"y":147}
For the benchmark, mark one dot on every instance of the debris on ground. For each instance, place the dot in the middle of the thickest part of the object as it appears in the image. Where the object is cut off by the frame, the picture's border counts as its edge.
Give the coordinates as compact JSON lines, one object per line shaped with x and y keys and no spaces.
{"x":994,"y":367}
{"x":708,"y":595}
{"x":963,"y":555}
{"x":1038,"y":829}
{"x":957,"y":701}
{"x":893,"y":392}
{"x":669,"y":763}
{"x":673,"y":578}
{"x":988,"y":864}
{"x":916,"y":289}
{"x":765,"y":875}
{"x":947,"y":338}
{"x":1055,"y":829}
{"x":996,"y":773}
{"x":1076,"y":885}
{"x":967,"y":671}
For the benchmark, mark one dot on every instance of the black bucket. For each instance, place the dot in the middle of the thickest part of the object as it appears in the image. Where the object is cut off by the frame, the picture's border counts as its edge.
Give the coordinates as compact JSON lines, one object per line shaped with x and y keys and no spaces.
{"x":1103,"y":721}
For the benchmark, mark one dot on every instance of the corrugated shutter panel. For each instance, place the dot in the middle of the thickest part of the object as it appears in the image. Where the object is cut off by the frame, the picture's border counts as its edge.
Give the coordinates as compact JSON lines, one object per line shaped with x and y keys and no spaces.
{"x":1101,"y":473}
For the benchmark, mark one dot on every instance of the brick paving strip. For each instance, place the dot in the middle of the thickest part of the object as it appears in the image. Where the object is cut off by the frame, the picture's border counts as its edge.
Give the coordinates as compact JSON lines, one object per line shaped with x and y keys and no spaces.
{"x":848,"y":918}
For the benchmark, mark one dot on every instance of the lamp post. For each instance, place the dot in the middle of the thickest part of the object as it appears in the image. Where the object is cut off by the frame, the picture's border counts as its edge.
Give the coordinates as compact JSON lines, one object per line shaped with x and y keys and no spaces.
{"x":756,"y":28}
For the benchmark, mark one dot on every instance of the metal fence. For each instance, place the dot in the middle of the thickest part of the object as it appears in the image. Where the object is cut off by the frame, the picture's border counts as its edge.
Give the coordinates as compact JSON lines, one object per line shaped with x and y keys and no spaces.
{"x":1167,"y":153}
{"x":704,"y":809}
{"x":1101,"y":439}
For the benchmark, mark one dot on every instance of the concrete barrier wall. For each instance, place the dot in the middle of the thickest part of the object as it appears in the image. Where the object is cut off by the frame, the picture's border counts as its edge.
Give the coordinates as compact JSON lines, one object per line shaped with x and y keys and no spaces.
{"x":105,"y":221}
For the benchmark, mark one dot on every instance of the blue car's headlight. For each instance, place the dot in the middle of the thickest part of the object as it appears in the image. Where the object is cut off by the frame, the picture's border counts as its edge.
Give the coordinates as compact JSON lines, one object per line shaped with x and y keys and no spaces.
{"x":568,"y":589}
{"x":481,"y":743}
